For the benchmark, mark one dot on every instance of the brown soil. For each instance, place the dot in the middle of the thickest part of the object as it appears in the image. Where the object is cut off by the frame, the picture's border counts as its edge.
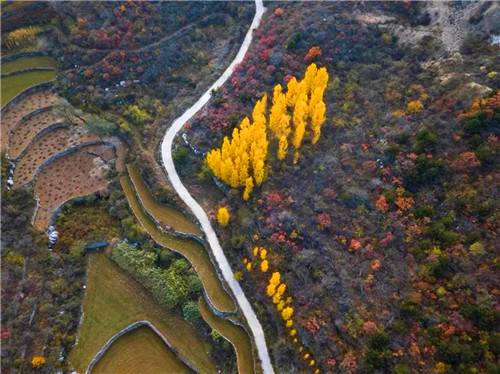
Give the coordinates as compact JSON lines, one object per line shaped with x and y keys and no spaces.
{"x":77,"y":174}
{"x":47,"y":146}
{"x":24,"y":132}
{"x":29,"y":104}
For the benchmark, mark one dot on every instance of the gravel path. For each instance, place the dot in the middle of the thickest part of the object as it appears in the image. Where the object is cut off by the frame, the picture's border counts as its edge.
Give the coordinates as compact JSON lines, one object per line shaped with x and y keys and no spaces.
{"x":166,"y":152}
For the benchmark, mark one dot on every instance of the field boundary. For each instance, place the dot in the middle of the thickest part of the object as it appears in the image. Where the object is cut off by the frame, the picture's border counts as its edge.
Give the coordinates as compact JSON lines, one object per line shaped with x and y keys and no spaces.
{"x":45,"y":86}
{"x":127,"y":329}
{"x":27,"y":70}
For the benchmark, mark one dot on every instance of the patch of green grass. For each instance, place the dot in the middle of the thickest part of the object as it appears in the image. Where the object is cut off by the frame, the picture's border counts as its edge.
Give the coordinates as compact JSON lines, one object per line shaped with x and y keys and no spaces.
{"x":165,"y":215}
{"x":189,"y":248}
{"x":139,"y":351}
{"x":113,"y":301}
{"x":15,"y":84}
{"x":27,"y":63}
{"x":236,"y":335}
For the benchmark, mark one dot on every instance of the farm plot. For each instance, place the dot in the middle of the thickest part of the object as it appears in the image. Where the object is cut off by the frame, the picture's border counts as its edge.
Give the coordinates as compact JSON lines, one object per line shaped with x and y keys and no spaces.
{"x":140,"y":351}
{"x":165,"y":215}
{"x":27,"y":63}
{"x":46,"y":146}
{"x":24,"y":132}
{"x":29,"y":104}
{"x":194,"y":251}
{"x":15,"y":84}
{"x":113,"y":301}
{"x":236,"y":335}
{"x":76,"y":174}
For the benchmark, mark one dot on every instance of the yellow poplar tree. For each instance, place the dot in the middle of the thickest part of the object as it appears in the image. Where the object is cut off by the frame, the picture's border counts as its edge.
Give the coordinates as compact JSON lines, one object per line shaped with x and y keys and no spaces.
{"x":263,"y":254}
{"x":317,"y":120}
{"x":264,"y":266}
{"x":248,"y":188}
{"x":286,"y":313}
{"x":223,"y":216}
{"x":271,"y":290}
{"x":282,"y":148}
{"x":275,"y":279}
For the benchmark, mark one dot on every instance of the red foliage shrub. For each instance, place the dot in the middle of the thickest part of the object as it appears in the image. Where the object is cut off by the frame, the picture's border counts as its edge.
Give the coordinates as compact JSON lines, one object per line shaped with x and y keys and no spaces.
{"x":278,"y":12}
{"x":381,"y":204}
{"x":312,"y":325}
{"x":314,"y":52}
{"x":324,"y":221}
{"x":370,"y":328}
{"x":465,"y":161}
{"x":273,"y":199}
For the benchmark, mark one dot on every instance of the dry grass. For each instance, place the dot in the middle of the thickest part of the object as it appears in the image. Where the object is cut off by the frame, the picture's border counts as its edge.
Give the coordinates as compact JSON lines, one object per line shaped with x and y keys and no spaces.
{"x":165,"y":215}
{"x":140,"y":351}
{"x":236,"y":335}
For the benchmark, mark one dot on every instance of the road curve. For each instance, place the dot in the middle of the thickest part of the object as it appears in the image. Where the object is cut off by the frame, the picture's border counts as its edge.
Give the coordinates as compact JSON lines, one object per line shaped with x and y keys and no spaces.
{"x":166,"y":152}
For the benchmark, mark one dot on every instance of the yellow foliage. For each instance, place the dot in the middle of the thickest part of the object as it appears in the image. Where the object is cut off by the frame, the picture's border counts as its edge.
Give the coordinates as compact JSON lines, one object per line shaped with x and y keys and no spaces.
{"x":264,"y":266}
{"x":37,"y":362}
{"x":280,"y":307}
{"x":21,"y":38}
{"x":263,"y":253}
{"x":282,"y":148}
{"x":243,"y":156}
{"x":223,"y":216}
{"x":248,"y":188}
{"x":276,"y":298}
{"x":287,"y":312}
{"x":275,"y":279}
{"x":414,"y":106}
{"x":271,"y":290}
{"x":281,"y":289}
{"x":440,"y":367}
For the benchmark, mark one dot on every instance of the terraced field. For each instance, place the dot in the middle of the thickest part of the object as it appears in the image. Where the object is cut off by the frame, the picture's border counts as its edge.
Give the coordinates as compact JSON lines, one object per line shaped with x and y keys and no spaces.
{"x":165,"y":215}
{"x":114,"y":301}
{"x":15,"y":84}
{"x":24,"y":132}
{"x":27,"y":63}
{"x":29,"y":104}
{"x":77,"y":174}
{"x":47,"y":146}
{"x":140,"y":351}
{"x":189,"y":248}
{"x":236,"y":335}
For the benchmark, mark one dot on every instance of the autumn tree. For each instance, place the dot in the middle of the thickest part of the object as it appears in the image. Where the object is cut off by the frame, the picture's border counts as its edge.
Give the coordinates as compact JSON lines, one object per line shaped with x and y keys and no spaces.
{"x":223,"y":216}
{"x":240,"y":161}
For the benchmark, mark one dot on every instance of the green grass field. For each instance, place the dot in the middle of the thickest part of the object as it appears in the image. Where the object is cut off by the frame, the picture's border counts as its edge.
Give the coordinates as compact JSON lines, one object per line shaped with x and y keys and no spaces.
{"x":140,"y":351}
{"x":27,"y":63}
{"x":236,"y":335}
{"x":189,"y":248}
{"x":163,"y":214}
{"x":15,"y":84}
{"x":113,"y":301}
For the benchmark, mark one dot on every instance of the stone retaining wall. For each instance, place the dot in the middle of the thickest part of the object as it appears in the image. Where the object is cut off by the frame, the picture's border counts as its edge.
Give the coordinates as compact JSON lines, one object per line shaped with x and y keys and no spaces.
{"x":16,"y":72}
{"x":127,"y":329}
{"x":45,"y":86}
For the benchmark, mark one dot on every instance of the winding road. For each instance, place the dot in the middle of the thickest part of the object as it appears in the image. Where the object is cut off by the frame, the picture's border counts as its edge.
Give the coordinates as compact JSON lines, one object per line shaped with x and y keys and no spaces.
{"x":166,"y":152}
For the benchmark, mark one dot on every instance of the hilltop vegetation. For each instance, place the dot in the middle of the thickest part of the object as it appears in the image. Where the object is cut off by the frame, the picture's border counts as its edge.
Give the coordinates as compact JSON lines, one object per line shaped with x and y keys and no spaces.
{"x":384,"y":230}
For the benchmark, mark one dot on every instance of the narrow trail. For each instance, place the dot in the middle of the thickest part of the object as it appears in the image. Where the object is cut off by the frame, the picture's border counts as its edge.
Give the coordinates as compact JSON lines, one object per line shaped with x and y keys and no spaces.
{"x":166,"y":152}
